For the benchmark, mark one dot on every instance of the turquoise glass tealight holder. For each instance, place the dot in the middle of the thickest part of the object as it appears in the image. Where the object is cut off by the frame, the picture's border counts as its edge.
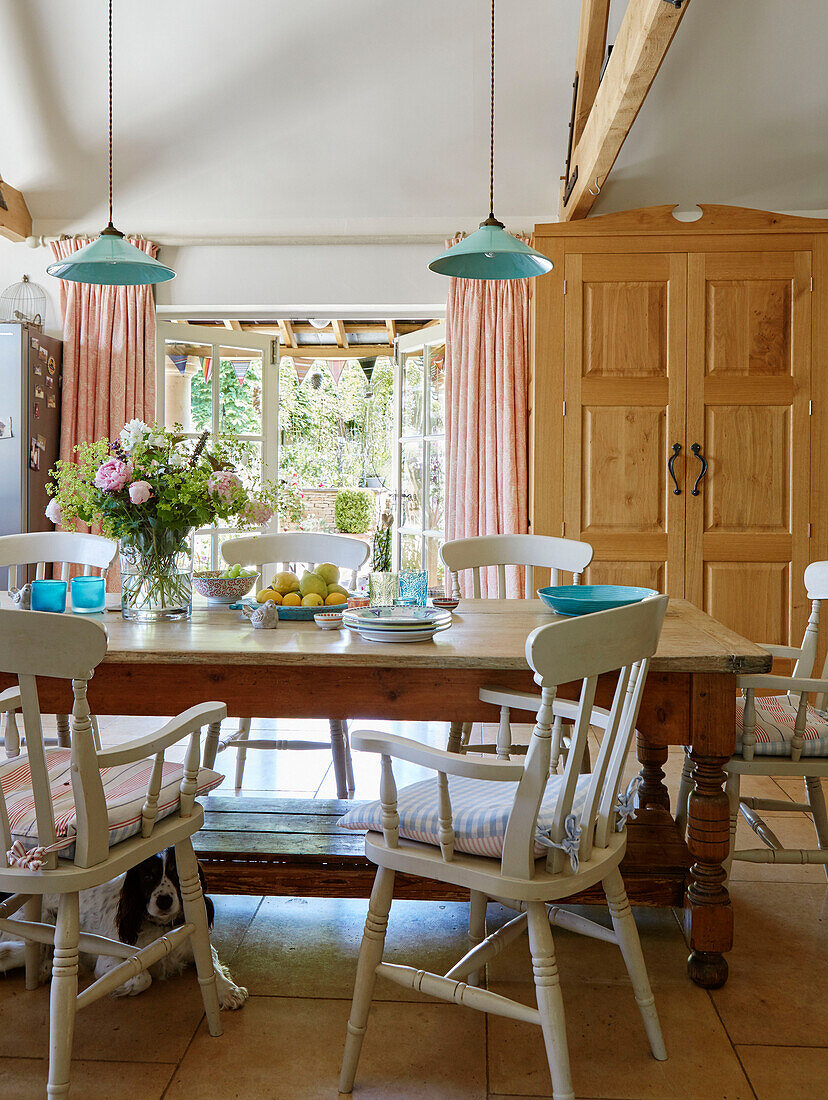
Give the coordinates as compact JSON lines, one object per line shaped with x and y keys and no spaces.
{"x":88,"y":595}
{"x":49,"y":596}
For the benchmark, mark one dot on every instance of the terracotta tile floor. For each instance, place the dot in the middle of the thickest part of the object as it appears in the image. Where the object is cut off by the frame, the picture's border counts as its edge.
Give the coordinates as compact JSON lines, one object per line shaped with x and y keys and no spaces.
{"x":759,"y":1037}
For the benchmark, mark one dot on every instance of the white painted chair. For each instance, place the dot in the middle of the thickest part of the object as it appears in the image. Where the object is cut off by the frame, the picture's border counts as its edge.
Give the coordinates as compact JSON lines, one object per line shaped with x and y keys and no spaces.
{"x":488,"y":551}
{"x":510,"y":832}
{"x":780,"y":735}
{"x":84,"y":849}
{"x":284,"y":551}
{"x":39,"y":549}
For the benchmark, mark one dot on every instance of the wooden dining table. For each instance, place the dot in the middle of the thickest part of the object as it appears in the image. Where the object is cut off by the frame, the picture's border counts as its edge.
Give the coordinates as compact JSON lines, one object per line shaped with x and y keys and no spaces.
{"x":300,"y":671}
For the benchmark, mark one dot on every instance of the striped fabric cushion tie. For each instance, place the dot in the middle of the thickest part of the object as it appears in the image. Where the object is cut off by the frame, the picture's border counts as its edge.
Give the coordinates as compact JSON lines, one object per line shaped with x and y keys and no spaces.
{"x":125,"y":790}
{"x":775,"y":718}
{"x":480,"y":813}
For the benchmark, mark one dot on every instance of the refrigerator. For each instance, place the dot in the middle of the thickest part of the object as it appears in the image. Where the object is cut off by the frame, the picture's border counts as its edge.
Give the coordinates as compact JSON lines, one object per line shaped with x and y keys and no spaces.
{"x":30,"y":388}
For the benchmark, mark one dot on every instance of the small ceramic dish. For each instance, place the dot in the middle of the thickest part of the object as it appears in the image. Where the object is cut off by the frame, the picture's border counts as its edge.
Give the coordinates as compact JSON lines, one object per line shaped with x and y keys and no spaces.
{"x":223,"y":590}
{"x":328,"y":620}
{"x":445,"y":603}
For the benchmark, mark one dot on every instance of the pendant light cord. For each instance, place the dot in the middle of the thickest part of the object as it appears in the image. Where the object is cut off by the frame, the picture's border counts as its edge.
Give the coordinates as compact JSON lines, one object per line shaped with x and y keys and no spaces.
{"x":491,"y":116}
{"x":110,"y":114}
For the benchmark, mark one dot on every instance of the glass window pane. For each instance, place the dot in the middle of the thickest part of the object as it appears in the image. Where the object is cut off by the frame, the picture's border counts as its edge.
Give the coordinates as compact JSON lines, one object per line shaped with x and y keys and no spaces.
{"x":436,"y":389}
{"x":240,"y":392}
{"x":188,"y":397}
{"x":412,"y":485}
{"x":435,"y":508}
{"x":412,"y":393}
{"x":433,"y":563}
{"x":203,"y":555}
{"x":411,"y":552}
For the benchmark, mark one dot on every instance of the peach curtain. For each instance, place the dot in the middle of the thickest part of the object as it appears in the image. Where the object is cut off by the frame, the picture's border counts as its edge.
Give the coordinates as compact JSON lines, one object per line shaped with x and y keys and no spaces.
{"x":108,"y":354}
{"x":487,"y":370}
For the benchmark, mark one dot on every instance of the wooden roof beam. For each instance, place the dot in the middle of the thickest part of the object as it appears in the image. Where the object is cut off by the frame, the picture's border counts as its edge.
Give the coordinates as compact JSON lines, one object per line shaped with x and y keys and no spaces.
{"x":391,"y":329}
{"x":286,"y":332}
{"x":15,"y":219}
{"x":592,"y":46}
{"x":340,"y":334}
{"x":643,"y":39}
{"x":320,"y":351}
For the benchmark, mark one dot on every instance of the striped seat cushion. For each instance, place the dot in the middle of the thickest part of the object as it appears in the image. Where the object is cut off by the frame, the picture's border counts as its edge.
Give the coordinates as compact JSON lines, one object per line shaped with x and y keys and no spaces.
{"x":125,"y":789}
{"x":775,"y":718}
{"x":480,"y":813}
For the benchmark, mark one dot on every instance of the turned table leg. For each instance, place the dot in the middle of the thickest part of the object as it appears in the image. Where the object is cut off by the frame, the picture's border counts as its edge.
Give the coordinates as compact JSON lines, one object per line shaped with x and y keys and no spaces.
{"x":652,"y":758}
{"x":63,"y":735}
{"x":708,"y":913}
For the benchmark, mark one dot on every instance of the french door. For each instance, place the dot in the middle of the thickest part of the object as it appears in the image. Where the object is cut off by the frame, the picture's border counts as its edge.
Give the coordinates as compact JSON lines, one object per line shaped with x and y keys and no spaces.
{"x":420,"y":467}
{"x":225,"y":382}
{"x":686,"y":427}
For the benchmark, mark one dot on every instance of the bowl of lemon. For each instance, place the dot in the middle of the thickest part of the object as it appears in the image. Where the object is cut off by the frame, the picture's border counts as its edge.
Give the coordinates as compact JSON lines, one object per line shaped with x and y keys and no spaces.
{"x":224,"y":586}
{"x":302,"y":597}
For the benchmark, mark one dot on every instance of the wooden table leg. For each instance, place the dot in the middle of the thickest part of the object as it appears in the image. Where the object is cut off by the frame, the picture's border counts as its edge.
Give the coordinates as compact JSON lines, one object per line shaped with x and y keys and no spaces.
{"x":63,"y":735}
{"x":652,"y":758}
{"x":707,"y":909}
{"x":211,"y":744}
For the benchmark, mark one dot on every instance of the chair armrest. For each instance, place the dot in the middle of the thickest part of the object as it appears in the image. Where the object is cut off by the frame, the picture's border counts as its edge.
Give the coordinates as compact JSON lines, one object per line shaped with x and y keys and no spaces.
{"x":189,"y":722}
{"x":10,"y":699}
{"x":766,"y":681}
{"x":788,"y":652}
{"x":453,"y":763}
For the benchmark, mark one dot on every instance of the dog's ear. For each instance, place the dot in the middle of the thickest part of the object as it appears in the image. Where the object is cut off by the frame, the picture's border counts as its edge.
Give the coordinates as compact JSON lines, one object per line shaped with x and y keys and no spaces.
{"x":132,"y":907}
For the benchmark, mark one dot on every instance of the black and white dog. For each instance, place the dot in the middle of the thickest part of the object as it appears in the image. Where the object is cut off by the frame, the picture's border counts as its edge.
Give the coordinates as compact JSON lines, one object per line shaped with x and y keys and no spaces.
{"x":135,"y":908}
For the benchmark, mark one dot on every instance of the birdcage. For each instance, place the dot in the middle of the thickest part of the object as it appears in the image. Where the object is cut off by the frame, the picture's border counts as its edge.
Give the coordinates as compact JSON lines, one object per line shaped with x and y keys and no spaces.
{"x":23,"y":303}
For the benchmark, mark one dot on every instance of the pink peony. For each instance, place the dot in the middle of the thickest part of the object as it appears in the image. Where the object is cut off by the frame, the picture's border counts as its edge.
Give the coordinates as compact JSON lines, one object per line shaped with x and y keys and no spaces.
{"x":53,"y":513}
{"x":113,"y":475}
{"x":258,"y":512}
{"x":140,"y":492}
{"x":224,"y":484}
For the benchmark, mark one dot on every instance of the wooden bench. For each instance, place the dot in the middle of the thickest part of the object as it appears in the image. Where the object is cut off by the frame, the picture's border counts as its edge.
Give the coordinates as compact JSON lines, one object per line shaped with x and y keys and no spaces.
{"x":293,"y":846}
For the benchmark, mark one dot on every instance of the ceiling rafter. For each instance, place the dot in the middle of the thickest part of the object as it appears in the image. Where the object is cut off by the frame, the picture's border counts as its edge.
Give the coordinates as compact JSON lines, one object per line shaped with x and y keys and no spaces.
{"x":340,"y":334}
{"x":641,"y":44}
{"x":286,"y":332}
{"x":15,"y":219}
{"x":391,"y":329}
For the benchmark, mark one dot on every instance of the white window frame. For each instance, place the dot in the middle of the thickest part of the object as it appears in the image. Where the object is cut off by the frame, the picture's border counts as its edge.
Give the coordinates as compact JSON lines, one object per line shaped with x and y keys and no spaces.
{"x":217,"y":338}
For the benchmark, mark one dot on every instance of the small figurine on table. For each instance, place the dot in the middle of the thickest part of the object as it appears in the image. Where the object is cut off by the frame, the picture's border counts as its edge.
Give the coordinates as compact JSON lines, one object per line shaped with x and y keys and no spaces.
{"x":22,"y":597}
{"x":265,"y":617}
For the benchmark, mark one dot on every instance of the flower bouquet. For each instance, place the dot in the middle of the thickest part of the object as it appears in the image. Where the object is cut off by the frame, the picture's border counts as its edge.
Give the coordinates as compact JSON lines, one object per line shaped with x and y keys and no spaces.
{"x":150,"y":489}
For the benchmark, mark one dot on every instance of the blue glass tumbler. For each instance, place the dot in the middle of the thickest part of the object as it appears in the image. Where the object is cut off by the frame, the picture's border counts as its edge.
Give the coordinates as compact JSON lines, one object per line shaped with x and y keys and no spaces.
{"x":414,"y":583}
{"x":88,"y":595}
{"x":49,"y":596}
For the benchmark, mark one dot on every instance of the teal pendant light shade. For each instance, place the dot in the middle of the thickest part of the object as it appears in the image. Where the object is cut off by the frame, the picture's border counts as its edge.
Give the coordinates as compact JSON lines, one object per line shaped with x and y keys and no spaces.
{"x":111,"y":261}
{"x":491,"y":253}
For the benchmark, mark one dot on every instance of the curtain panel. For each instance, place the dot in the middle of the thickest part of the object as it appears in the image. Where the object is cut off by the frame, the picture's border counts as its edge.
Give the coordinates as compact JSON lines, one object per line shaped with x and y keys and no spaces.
{"x":487,"y":378}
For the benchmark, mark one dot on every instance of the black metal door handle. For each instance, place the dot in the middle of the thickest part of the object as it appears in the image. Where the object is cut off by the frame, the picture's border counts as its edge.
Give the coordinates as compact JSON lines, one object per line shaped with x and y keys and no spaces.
{"x":670,"y":463}
{"x":696,"y":449}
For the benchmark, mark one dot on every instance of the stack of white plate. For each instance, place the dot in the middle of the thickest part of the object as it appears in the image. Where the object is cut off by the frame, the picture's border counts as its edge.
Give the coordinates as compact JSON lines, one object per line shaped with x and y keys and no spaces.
{"x":396,"y":624}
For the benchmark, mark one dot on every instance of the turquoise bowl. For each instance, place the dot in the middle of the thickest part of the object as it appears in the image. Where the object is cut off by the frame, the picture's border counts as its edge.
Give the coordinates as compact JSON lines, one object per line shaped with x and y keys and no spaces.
{"x":583,"y":599}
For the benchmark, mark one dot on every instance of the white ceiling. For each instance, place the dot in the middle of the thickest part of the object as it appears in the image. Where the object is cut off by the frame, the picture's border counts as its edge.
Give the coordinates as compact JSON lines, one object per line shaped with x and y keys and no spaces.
{"x":358,"y":117}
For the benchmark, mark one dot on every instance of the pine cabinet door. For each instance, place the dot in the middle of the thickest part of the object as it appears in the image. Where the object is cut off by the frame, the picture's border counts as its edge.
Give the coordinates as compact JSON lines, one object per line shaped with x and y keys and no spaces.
{"x":748,"y":379}
{"x":624,"y":390}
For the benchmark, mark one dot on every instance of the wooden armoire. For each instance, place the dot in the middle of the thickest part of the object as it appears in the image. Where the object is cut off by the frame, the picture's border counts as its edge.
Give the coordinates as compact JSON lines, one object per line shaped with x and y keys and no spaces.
{"x":679,"y":405}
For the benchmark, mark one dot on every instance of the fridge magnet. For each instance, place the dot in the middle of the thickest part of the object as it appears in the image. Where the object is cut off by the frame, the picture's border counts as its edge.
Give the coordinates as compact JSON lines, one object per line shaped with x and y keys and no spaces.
{"x":33,"y":343}
{"x":51,"y":367}
{"x":37,"y":370}
{"x":34,"y":454}
{"x":39,"y":392}
{"x":49,"y":380}
{"x":50,"y":401}
{"x":36,"y":411}
{"x":6,"y":427}
{"x":42,"y":354}
{"x":41,"y":442}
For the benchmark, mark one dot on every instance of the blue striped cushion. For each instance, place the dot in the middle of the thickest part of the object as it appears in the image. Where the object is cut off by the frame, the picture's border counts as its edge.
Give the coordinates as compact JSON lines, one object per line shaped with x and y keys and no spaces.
{"x":480,"y":813}
{"x":125,"y":789}
{"x":775,"y":718}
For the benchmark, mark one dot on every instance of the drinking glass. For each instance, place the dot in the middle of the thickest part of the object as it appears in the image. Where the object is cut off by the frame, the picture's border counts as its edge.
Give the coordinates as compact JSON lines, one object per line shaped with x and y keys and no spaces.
{"x":49,"y":596}
{"x":383,"y":588}
{"x":414,"y":583}
{"x":88,"y":595}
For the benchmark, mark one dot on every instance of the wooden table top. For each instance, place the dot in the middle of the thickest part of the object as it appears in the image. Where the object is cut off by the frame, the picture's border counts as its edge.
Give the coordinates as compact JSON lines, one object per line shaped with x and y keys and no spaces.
{"x":487,"y":634}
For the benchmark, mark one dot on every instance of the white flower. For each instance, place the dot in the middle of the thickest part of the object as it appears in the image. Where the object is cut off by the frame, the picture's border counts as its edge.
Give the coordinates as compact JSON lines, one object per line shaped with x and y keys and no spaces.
{"x":177,"y":460}
{"x":134,"y":431}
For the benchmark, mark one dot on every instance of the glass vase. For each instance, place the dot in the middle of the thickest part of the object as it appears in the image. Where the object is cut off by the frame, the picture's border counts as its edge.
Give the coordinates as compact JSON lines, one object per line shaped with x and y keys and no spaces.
{"x":383,"y":588}
{"x":157,"y":575}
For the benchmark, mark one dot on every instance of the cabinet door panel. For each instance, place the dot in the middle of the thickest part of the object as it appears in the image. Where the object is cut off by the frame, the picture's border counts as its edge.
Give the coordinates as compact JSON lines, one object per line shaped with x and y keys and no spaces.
{"x":625,"y":400}
{"x":748,"y":380}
